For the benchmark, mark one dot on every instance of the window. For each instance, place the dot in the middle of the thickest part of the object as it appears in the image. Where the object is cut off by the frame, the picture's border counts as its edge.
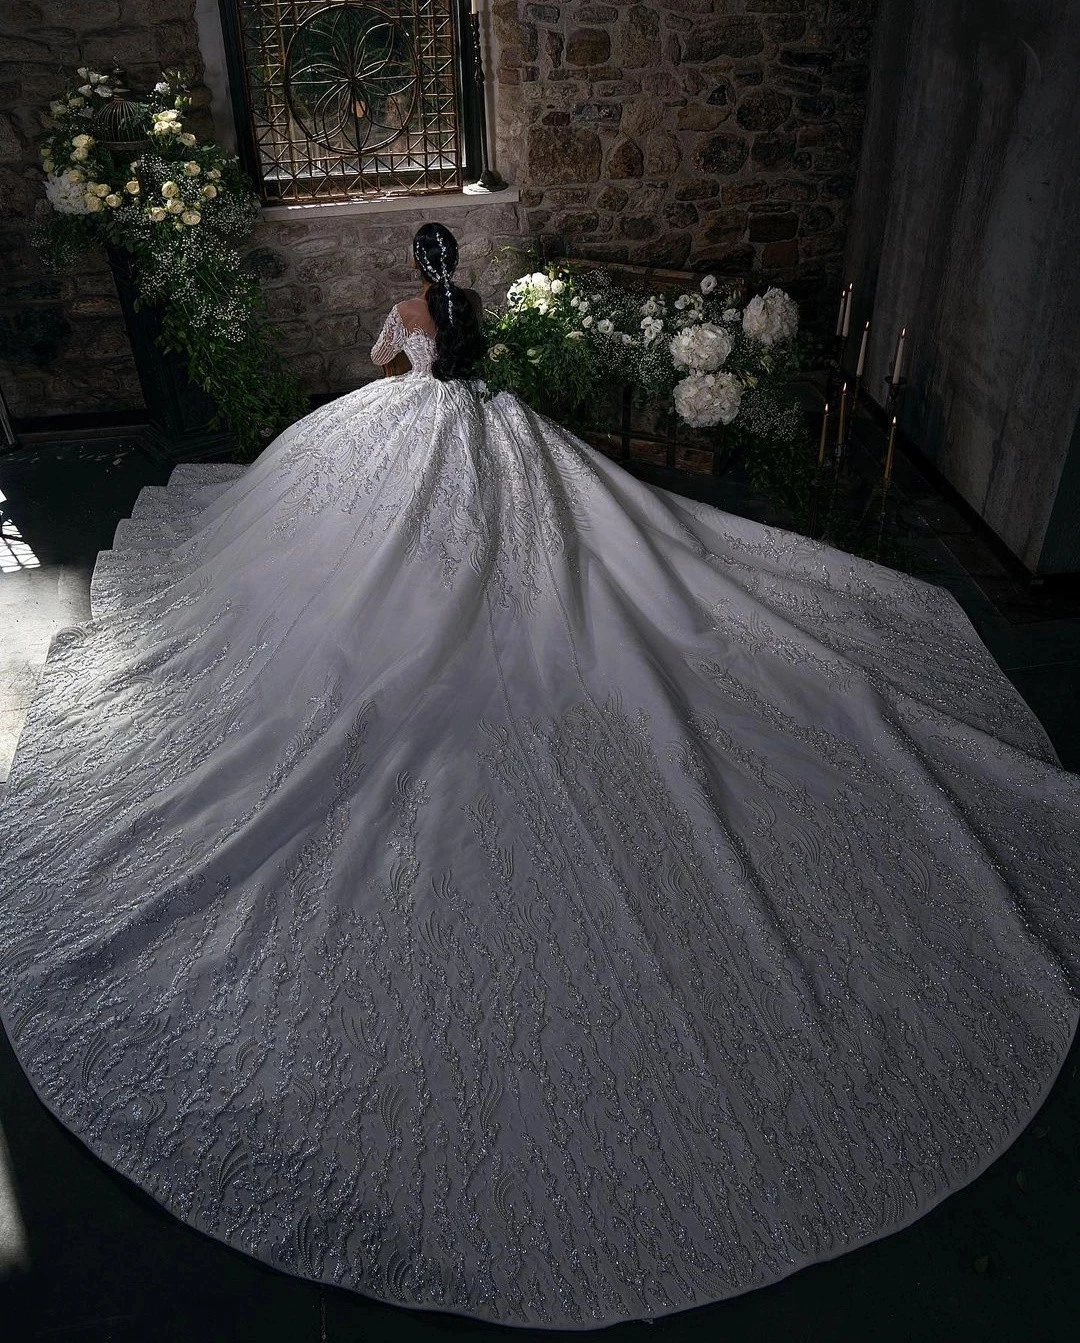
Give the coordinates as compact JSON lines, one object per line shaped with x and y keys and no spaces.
{"x":338,"y":100}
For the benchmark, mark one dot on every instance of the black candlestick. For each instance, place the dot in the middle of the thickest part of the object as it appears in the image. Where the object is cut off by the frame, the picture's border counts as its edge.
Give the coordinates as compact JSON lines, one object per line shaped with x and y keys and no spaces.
{"x":489,"y":179}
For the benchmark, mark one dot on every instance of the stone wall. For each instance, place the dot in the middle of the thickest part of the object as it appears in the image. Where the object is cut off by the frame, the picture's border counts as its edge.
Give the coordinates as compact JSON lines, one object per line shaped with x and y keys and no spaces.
{"x":708,"y":134}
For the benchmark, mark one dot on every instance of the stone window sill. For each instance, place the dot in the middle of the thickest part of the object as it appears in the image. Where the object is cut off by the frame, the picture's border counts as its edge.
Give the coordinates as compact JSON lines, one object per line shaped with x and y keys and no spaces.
{"x":470,"y":198}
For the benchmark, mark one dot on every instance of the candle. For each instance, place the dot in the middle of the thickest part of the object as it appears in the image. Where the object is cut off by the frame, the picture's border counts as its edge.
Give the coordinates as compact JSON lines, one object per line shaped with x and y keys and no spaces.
{"x":862,"y":351}
{"x":889,"y":450}
{"x":899,"y":360}
{"x":840,"y":314}
{"x":847,"y":309}
{"x":824,"y":432}
{"x":474,"y":8}
{"x":843,"y":410}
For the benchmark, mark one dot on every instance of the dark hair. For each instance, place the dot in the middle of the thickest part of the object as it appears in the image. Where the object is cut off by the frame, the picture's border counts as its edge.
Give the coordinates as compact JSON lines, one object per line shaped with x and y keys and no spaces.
{"x":459,"y":340}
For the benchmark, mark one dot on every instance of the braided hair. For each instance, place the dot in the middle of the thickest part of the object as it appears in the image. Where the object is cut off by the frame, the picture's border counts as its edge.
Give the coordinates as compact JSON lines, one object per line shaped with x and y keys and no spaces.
{"x":459,"y":341}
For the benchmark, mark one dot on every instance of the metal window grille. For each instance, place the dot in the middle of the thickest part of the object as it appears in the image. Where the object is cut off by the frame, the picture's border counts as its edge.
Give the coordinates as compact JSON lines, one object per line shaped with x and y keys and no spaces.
{"x":348,"y":99}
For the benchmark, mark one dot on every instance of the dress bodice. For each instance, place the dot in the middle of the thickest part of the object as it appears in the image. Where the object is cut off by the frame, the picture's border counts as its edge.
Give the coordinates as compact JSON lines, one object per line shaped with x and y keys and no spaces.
{"x":395,"y":338}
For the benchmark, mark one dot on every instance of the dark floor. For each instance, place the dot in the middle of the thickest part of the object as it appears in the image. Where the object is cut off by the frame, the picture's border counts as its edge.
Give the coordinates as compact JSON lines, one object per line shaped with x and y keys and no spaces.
{"x":85,"y":1257}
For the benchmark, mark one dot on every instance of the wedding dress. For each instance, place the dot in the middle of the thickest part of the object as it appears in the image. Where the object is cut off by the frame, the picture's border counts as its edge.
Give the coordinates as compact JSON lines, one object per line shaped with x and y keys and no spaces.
{"x":451,"y":869}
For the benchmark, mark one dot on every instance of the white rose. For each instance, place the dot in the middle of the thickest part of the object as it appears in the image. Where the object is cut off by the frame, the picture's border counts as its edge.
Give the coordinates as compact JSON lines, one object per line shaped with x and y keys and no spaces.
{"x":80,"y":155}
{"x":157,"y":214}
{"x":539,"y":280}
{"x":587,"y":321}
{"x":214,"y":175}
{"x":169,"y":190}
{"x":73,"y":175}
{"x":98,"y":188}
{"x":191,"y":217}
{"x":626,"y":340}
{"x":651,"y":327}
{"x":707,"y":399}
{"x":557,"y":286}
{"x":652,"y":306}
{"x":187,"y":139}
{"x":575,"y":335}
{"x":543,"y":308}
{"x":702,"y":347}
{"x":605,"y":327}
{"x":533,"y":353}
{"x":93,"y":204}
{"x":132,"y":187}
{"x":683,"y":301}
{"x":176,"y":207}
{"x":112,"y":200}
{"x":81,"y":141}
{"x":771,"y":318}
{"x":208,"y":192}
{"x":192,"y":169}
{"x":708,"y":284}
{"x":497,"y":351}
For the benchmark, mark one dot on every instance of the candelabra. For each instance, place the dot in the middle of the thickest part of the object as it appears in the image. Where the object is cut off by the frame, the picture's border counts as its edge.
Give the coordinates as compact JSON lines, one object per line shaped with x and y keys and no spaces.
{"x":489,"y":179}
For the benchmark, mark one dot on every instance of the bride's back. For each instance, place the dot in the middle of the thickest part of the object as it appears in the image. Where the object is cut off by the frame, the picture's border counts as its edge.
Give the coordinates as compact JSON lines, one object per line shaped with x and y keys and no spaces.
{"x":416,"y":316}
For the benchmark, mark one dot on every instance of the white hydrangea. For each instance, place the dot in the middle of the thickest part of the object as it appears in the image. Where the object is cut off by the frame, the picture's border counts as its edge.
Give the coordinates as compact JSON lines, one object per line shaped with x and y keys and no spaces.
{"x":707,"y":399}
{"x":771,"y":318}
{"x":702,"y":347}
{"x":66,"y":194}
{"x":530,"y":291}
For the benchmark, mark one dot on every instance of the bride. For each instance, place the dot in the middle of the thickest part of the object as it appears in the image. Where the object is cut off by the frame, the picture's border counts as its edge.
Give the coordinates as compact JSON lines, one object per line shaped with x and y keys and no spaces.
{"x":451,"y":869}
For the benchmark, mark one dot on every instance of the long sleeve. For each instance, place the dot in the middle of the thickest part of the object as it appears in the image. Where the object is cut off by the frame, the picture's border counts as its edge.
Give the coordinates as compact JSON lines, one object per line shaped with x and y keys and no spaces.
{"x":391,"y":340}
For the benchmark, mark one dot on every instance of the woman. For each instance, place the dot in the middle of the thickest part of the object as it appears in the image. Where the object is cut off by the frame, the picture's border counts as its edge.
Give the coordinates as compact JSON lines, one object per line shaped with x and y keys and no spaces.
{"x":449,"y":868}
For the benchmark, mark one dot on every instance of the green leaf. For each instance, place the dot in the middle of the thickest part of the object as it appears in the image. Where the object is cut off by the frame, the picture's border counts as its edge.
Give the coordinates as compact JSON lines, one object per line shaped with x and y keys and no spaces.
{"x":981,"y":1264}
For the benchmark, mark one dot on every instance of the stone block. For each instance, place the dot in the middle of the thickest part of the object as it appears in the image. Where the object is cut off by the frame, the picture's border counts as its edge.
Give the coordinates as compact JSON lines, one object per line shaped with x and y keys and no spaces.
{"x":626,"y":160}
{"x":563,"y":154}
{"x":588,"y":46}
{"x":723,"y":154}
{"x":697,"y":189}
{"x":727,"y":38}
{"x":662,"y":154}
{"x":612,"y":198}
{"x":639,"y":36}
{"x":763,"y":110}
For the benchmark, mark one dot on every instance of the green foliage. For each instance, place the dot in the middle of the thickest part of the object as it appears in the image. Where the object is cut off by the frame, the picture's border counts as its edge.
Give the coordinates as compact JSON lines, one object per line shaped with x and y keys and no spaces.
{"x":177,"y":207}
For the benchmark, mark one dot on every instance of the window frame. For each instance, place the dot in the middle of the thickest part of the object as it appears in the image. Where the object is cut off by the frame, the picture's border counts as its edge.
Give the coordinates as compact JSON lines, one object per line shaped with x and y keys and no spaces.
{"x":468,"y":93}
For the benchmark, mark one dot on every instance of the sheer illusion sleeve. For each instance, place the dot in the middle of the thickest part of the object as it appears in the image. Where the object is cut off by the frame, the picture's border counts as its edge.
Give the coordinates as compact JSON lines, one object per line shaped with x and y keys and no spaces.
{"x":391,"y":340}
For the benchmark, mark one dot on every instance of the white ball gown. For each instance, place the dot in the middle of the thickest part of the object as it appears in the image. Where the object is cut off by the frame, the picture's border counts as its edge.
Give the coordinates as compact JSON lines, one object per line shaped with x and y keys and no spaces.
{"x":451,"y":869}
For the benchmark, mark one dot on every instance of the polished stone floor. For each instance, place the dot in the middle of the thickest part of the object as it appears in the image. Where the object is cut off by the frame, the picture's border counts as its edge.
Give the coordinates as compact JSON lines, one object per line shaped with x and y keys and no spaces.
{"x":87,"y":1258}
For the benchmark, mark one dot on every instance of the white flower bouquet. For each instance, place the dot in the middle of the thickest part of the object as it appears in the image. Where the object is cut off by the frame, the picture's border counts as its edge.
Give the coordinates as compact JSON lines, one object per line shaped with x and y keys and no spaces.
{"x":716,"y":361}
{"x":177,"y":205}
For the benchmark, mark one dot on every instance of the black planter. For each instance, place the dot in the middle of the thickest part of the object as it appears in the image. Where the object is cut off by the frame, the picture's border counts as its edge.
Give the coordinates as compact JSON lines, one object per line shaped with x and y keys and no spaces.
{"x":180,"y":412}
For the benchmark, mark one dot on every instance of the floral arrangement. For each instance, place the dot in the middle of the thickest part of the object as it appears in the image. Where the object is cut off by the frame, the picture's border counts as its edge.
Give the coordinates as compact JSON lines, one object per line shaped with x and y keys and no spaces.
{"x":139,"y":181}
{"x":716,"y":362}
